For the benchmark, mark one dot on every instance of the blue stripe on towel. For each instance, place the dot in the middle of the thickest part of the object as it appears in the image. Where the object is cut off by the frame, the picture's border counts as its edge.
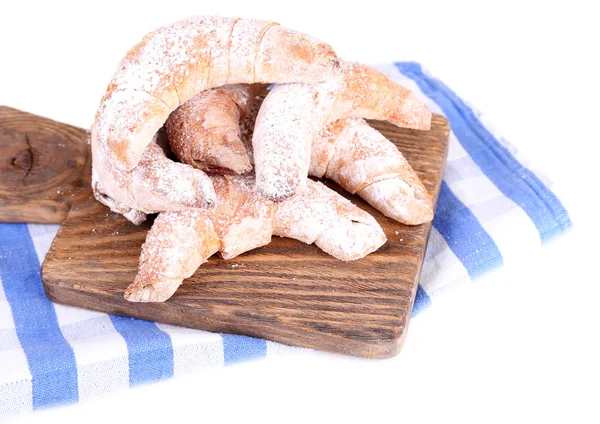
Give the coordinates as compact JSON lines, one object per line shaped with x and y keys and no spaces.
{"x":465,"y":236}
{"x":422,"y":301}
{"x":242,"y":348}
{"x":514,"y":180}
{"x":150,"y":349}
{"x":50,"y":357}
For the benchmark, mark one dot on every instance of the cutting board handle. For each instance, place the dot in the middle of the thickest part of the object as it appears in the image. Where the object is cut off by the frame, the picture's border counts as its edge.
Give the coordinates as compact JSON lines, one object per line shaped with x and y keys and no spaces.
{"x":45,"y":167}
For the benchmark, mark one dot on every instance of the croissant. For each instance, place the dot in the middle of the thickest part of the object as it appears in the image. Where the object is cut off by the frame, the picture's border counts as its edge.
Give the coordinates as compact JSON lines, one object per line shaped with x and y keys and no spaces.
{"x":161,"y":183}
{"x":292,"y":115}
{"x":167,"y":68}
{"x":362,"y":161}
{"x":179,"y":242}
{"x":348,"y":151}
{"x":206,"y":130}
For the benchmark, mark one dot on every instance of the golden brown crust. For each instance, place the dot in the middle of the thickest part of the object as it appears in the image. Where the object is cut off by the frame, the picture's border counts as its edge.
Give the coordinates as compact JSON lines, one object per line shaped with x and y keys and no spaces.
{"x":174,"y":63}
{"x":205,"y":131}
{"x":361,"y":160}
{"x":177,"y":61}
{"x":176,"y":245}
{"x":157,"y":184}
{"x":358,"y":158}
{"x":242,"y":220}
{"x":321,"y":216}
{"x":293,"y":114}
{"x":368,"y":93}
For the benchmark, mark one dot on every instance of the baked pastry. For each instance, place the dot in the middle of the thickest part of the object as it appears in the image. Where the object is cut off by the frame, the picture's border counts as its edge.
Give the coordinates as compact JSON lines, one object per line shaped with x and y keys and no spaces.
{"x":161,"y":184}
{"x":348,"y":151}
{"x":362,"y":161}
{"x":208,"y":131}
{"x":179,"y":242}
{"x":167,"y":68}
{"x":292,"y":115}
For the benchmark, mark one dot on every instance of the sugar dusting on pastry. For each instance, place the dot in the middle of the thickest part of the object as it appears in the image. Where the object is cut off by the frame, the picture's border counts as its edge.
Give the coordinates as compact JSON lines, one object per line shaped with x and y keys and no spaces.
{"x":292,"y":115}
{"x":181,"y":241}
{"x":288,"y":120}
{"x":174,"y":63}
{"x":205,"y":131}
{"x":404,"y":200}
{"x":133,"y":176}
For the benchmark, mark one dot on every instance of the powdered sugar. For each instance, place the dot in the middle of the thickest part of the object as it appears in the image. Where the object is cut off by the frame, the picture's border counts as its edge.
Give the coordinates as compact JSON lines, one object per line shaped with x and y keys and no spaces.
{"x":404,"y":200}
{"x":292,"y":114}
{"x":171,"y":65}
{"x":361,"y":155}
{"x":152,"y":65}
{"x":319,"y":215}
{"x":365,"y":162}
{"x":180,"y":241}
{"x":156,"y":184}
{"x":287,"y":122}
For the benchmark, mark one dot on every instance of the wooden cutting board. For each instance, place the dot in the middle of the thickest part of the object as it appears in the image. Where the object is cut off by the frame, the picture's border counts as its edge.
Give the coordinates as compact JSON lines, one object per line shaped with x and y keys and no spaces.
{"x":288,"y":291}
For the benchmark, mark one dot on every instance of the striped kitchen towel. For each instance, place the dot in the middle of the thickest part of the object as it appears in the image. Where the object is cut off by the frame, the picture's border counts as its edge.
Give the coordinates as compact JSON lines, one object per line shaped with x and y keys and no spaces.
{"x":493,"y":209}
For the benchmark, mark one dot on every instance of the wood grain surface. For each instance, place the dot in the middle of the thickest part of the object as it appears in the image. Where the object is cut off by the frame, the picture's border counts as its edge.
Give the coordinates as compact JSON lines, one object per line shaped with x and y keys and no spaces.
{"x":44,"y":167}
{"x":287,"y":291}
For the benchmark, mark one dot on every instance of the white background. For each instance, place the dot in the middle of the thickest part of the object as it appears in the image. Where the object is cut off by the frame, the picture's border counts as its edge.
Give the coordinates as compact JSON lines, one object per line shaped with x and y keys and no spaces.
{"x":519,"y":344}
